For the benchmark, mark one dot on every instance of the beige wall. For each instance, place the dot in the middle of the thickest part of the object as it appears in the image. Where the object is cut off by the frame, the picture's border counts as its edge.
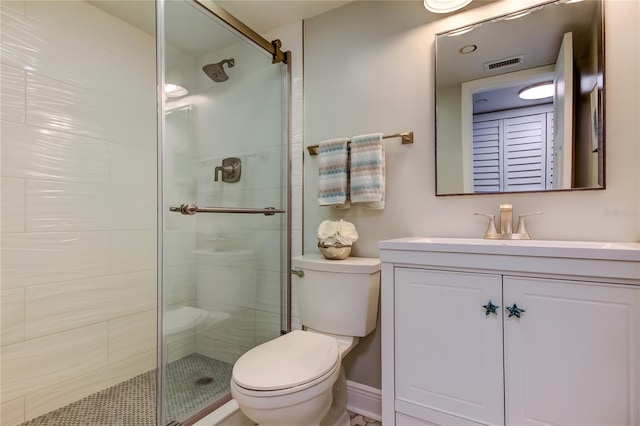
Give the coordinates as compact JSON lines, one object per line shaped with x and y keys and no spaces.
{"x":369,"y":68}
{"x":78,"y":145}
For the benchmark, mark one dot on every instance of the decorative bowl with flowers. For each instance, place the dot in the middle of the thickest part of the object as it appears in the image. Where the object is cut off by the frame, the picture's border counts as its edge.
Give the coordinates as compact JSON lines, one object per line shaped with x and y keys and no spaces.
{"x":335,"y":238}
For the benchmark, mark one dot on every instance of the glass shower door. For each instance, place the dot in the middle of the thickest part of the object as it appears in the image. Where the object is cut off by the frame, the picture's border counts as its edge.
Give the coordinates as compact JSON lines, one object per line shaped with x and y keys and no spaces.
{"x":224,"y":200}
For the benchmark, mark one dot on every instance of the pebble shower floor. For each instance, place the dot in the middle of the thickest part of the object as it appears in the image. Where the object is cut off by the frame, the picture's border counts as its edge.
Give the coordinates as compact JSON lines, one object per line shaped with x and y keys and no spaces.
{"x":132,"y":402}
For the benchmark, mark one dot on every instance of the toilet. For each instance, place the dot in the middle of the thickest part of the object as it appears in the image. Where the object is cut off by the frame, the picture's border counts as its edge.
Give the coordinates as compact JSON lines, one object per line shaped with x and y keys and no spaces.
{"x":297,"y":379}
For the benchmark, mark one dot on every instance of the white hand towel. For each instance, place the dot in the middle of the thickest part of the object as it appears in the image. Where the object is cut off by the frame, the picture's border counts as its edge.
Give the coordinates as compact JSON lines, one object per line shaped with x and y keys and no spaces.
{"x":333,"y":162}
{"x":367,"y":170}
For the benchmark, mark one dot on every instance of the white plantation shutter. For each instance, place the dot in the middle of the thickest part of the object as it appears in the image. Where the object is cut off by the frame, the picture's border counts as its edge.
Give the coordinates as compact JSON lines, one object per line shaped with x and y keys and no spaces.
{"x":525,"y":140}
{"x":486,"y":156}
{"x":512,"y":150}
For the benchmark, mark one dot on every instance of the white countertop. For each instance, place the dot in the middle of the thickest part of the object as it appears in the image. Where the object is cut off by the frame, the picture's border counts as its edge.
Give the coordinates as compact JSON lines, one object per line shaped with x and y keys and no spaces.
{"x":537,"y":248}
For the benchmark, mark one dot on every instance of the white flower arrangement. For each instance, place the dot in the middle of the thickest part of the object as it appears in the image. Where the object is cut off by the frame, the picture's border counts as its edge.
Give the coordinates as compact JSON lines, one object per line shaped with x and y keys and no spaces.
{"x":332,"y":232}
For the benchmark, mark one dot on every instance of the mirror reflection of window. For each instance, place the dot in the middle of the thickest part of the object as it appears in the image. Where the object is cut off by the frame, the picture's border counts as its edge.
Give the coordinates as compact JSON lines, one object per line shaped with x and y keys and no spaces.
{"x":513,"y":150}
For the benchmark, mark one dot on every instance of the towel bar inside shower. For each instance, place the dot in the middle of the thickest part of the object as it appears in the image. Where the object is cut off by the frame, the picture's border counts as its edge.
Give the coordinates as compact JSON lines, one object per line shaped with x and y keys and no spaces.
{"x":407,"y":138}
{"x":191,"y":209}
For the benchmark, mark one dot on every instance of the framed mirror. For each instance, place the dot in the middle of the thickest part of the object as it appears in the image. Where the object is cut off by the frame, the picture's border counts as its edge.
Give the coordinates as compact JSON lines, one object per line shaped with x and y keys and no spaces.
{"x":492,"y":134}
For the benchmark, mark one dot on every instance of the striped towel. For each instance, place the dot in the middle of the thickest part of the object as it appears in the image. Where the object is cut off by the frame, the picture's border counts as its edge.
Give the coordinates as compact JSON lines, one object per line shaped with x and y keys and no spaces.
{"x":367,"y":170}
{"x":333,"y":172}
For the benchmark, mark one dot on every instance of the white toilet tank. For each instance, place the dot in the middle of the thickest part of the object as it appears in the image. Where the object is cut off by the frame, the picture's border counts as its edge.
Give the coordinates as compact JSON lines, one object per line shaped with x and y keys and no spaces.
{"x":338,"y":296}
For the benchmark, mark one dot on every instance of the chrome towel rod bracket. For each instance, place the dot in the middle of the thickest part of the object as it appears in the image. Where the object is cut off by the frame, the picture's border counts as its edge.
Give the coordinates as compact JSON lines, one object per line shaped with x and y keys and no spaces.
{"x":407,"y":138}
{"x":191,"y":209}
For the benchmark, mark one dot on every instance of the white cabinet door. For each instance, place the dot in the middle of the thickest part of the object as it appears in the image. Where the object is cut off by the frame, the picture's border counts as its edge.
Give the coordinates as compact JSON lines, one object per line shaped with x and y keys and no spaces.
{"x":448,"y":353}
{"x":573,"y":356}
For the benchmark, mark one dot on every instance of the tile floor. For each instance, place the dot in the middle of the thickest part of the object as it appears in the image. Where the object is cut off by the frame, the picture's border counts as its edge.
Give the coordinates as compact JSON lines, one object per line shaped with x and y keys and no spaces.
{"x":360,"y":420}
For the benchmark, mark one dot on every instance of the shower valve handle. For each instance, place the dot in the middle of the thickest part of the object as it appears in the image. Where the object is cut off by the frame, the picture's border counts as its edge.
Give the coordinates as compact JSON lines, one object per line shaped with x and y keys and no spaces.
{"x":226,"y":170}
{"x":231,"y":169}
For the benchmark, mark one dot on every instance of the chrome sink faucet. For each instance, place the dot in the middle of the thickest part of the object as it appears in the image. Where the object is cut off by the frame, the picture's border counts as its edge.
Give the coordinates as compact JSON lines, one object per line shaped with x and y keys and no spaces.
{"x":506,"y":225}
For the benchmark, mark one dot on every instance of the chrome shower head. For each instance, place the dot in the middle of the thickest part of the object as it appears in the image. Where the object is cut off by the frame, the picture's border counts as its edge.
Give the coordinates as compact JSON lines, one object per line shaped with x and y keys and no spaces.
{"x":216,"y":71}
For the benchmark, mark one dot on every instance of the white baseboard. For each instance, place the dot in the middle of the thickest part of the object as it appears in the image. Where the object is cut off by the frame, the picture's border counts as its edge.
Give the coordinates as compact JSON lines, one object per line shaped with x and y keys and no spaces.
{"x":365,"y":400}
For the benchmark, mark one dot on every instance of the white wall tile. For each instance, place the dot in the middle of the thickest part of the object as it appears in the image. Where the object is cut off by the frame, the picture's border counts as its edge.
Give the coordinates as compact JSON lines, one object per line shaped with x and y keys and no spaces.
{"x":132,"y":167}
{"x":132,"y":82}
{"x":82,"y":20}
{"x":31,"y":152}
{"x":61,"y":106}
{"x":12,"y":94}
{"x":12,"y":204}
{"x":268,"y":291}
{"x":238,"y":329}
{"x":131,"y":251}
{"x":12,"y":412}
{"x":59,"y":256}
{"x":131,"y":124}
{"x":235,"y":137}
{"x":235,"y":286}
{"x":179,"y":246}
{"x":60,"y":206}
{"x":265,"y":243}
{"x":51,"y":308}
{"x":79,"y":79}
{"x":179,"y":284}
{"x":132,"y":208}
{"x":206,"y":346}
{"x":11,"y":316}
{"x":30,"y":45}
{"x":267,"y":326}
{"x":35,"y":364}
{"x":43,"y":401}
{"x":180,"y":345}
{"x":229,"y":352}
{"x":132,"y":335}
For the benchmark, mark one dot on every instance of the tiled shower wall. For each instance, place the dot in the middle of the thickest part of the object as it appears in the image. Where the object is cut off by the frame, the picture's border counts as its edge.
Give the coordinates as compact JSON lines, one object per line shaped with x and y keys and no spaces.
{"x":78,"y":204}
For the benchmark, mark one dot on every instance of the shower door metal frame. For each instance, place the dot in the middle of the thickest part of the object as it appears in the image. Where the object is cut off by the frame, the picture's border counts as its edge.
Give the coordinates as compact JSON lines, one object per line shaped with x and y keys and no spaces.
{"x":160,"y":121}
{"x":278,"y":56}
{"x":273,"y":47}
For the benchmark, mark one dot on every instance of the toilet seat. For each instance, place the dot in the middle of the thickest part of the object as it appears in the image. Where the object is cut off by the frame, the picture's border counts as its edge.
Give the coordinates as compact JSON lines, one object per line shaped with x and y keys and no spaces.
{"x":296,"y":360}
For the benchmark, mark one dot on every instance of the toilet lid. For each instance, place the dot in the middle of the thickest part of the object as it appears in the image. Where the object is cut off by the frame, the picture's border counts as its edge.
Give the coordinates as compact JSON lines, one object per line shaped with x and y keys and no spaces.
{"x":290,"y":360}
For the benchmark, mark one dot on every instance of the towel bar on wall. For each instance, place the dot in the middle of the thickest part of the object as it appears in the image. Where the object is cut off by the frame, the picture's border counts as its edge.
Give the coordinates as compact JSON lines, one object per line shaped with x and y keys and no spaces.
{"x":407,"y":137}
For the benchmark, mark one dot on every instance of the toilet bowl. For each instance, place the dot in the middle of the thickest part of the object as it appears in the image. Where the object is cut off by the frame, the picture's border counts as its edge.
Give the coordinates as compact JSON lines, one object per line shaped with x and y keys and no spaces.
{"x":296,"y":387}
{"x":297,"y":379}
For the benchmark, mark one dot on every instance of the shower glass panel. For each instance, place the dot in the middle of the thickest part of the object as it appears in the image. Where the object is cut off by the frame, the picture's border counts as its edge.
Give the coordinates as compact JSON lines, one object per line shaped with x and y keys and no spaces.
{"x":224,"y":145}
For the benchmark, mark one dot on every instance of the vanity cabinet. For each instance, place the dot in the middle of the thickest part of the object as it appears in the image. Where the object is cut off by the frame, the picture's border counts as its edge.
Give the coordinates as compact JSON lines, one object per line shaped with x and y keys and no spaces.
{"x":566,"y":353}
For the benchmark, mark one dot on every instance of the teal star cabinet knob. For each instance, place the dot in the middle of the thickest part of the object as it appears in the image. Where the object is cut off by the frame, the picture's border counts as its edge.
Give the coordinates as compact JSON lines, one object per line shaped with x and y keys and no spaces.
{"x":490,"y":308}
{"x":514,"y":311}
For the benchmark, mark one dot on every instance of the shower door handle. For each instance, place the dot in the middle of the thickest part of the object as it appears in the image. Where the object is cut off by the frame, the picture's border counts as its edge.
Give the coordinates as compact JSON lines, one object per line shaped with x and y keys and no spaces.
{"x":191,"y":209}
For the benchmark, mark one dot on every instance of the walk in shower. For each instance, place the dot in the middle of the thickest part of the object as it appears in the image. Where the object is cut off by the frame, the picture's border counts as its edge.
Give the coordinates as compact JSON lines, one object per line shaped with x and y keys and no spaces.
{"x":144,"y":207}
